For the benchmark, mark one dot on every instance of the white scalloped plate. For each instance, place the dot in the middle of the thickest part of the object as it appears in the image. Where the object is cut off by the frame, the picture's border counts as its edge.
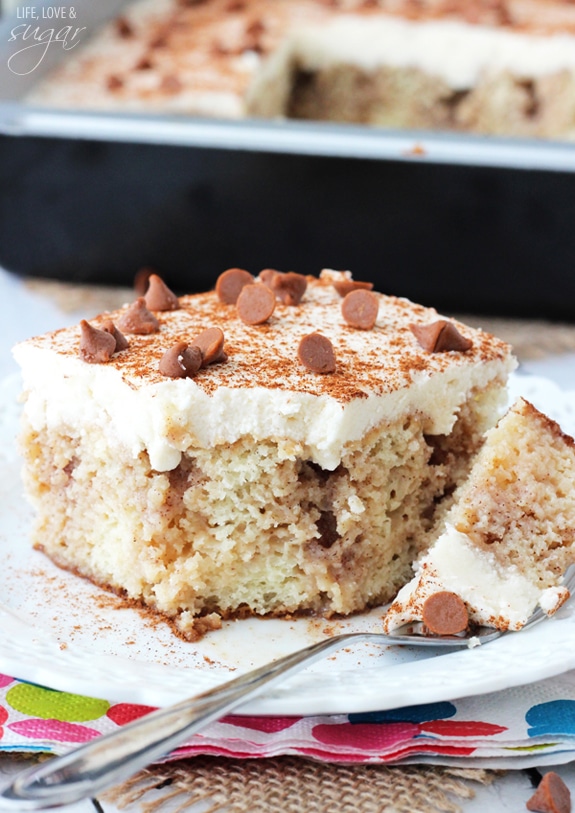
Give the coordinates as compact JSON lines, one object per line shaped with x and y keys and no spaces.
{"x":61,"y":631}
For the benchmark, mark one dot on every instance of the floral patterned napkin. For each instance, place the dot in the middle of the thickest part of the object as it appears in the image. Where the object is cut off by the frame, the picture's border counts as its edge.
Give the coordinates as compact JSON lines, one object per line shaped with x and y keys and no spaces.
{"x":518,"y":727}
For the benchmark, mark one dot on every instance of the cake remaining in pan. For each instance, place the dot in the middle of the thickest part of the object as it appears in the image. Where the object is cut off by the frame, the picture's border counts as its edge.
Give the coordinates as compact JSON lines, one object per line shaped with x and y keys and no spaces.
{"x":272,"y":454}
{"x":503,"y":67}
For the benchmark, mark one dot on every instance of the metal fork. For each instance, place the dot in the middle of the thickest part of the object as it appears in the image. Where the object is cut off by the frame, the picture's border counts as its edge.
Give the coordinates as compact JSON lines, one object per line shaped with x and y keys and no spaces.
{"x":113,"y":758}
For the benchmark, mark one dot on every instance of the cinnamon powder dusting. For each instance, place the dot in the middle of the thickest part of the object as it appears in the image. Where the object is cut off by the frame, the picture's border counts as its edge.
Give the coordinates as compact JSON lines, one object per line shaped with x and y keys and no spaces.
{"x":378,"y":361}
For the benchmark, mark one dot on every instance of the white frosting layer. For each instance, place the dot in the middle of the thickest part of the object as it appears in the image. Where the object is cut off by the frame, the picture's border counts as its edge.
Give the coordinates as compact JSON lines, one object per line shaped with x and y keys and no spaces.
{"x":71,"y":392}
{"x":262,"y":391}
{"x":454,"y":51}
{"x":496,"y":595}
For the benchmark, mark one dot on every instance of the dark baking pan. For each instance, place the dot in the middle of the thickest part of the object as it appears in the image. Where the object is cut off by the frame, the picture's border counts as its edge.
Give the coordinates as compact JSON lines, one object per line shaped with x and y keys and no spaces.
{"x":462,"y":222}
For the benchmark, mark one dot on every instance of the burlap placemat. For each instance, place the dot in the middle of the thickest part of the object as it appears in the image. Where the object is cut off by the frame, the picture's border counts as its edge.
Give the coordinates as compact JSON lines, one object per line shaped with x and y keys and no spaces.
{"x":530,"y":338}
{"x":294,"y":785}
{"x":73,"y":297}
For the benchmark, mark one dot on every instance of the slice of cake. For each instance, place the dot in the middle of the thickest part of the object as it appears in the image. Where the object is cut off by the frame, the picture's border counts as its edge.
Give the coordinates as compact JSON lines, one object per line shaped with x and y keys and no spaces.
{"x":510,"y":534}
{"x":281,"y":444}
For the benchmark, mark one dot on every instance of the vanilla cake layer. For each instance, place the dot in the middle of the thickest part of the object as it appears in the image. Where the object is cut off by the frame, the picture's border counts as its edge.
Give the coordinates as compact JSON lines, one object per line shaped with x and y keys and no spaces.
{"x":257,"y":486}
{"x":510,"y":534}
{"x":501,"y":68}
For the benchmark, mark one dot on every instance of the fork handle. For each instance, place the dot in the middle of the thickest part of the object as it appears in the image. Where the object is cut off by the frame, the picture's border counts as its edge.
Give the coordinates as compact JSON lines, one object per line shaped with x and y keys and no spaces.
{"x":113,"y":758}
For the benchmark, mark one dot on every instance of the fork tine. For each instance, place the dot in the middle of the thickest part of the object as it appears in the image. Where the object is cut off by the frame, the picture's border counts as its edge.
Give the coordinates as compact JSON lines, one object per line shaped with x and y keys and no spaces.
{"x":569,"y":578}
{"x":568,"y":582}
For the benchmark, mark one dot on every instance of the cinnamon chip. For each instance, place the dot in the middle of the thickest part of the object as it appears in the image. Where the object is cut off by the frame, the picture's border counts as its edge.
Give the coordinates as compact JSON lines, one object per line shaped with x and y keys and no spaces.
{"x":360,"y":308}
{"x":256,"y":28}
{"x":440,"y":336}
{"x":114,"y":82}
{"x":255,"y":304}
{"x":230,"y":283}
{"x":289,"y":287}
{"x":121,"y":341}
{"x":141,"y":280}
{"x":253,"y":33}
{"x":138,"y":319}
{"x":96,"y":346}
{"x":267,"y":276}
{"x":171,"y":84}
{"x":124,"y":28}
{"x":211,"y":345}
{"x":181,"y":361}
{"x":316,"y":353}
{"x":159,"y":297}
{"x":445,"y":613}
{"x":159,"y":41}
{"x":346,"y":286}
{"x":552,"y":795}
{"x":144,"y":64}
